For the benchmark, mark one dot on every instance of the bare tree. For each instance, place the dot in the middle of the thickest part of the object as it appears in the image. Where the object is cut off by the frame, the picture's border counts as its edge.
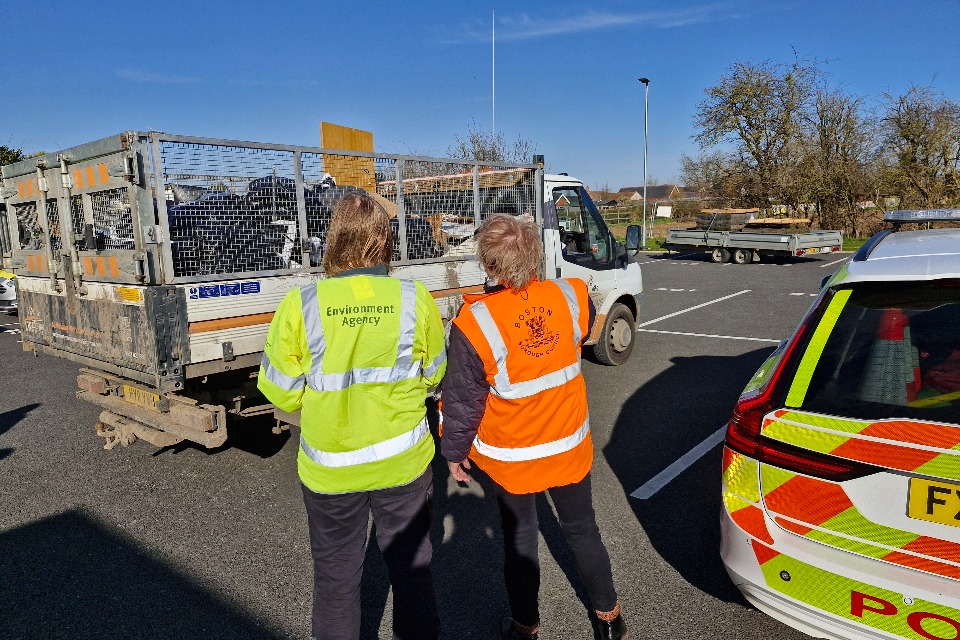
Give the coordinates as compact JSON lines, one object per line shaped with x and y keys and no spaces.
{"x":490,"y":147}
{"x":922,"y":135}
{"x":757,"y":108}
{"x":838,"y":168}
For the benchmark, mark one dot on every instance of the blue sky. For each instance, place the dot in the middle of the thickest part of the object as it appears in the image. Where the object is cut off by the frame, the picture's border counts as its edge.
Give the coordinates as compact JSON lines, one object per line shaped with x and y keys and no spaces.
{"x":417,"y":73}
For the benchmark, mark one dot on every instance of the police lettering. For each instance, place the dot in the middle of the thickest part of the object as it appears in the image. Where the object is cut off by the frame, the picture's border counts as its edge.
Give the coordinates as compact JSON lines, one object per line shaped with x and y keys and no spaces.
{"x":859,"y":605}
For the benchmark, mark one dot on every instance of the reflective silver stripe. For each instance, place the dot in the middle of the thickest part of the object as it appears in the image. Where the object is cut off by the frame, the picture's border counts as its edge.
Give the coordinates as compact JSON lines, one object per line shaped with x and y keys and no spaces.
{"x":316,"y":342}
{"x":375,"y":452}
{"x":433,"y":366}
{"x":491,"y":332}
{"x":502,"y":386}
{"x":535,"y":386}
{"x":408,"y":322}
{"x":278,"y":377}
{"x":574,"y":305}
{"x":535,"y":452}
{"x":404,"y":369}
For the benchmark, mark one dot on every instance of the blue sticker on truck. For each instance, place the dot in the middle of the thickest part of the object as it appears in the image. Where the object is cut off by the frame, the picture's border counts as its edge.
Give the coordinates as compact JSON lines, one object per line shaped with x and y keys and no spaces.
{"x":223,"y":290}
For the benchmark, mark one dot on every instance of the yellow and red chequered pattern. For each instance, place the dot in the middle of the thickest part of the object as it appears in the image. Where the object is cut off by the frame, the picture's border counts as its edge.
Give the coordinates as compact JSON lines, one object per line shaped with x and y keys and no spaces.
{"x":925,"y":448}
{"x":741,"y":494}
{"x":821,"y":510}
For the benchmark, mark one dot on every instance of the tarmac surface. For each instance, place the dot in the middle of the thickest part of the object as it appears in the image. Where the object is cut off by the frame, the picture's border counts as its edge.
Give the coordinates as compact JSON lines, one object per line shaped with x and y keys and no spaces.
{"x":184,"y":542}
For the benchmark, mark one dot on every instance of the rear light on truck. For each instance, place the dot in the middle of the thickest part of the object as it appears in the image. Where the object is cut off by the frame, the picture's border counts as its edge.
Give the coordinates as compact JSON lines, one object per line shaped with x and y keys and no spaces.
{"x":836,"y":248}
{"x":743,"y":430}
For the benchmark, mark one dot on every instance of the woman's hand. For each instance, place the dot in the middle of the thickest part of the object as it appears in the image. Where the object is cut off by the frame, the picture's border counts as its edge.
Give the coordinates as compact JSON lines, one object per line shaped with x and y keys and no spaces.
{"x":458,"y":470}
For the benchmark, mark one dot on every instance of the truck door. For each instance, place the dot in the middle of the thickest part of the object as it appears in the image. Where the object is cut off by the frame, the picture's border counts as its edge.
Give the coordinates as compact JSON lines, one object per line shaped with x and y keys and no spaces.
{"x":587,"y":247}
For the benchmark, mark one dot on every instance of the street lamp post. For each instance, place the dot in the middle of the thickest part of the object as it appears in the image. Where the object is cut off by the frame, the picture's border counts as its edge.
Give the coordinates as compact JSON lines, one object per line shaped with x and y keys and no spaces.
{"x":646,"y":102}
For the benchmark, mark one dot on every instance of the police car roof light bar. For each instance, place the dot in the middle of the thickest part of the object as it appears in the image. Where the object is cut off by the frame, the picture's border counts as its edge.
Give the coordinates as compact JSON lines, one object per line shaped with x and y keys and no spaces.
{"x":922,"y":215}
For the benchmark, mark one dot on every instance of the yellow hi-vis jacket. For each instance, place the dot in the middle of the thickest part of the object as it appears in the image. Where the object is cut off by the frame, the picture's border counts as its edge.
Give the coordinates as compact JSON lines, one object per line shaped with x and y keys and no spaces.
{"x":356,"y":354}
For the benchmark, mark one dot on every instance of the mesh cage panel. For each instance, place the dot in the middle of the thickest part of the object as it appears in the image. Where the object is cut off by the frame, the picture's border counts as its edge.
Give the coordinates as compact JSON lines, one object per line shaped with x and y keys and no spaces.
{"x":230,"y":209}
{"x":53,"y":221}
{"x":31,"y":233}
{"x":77,"y":220}
{"x":112,"y":219}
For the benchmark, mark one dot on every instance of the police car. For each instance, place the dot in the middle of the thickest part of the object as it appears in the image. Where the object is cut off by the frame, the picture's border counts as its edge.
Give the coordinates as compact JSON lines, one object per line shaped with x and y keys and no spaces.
{"x":841,"y":466}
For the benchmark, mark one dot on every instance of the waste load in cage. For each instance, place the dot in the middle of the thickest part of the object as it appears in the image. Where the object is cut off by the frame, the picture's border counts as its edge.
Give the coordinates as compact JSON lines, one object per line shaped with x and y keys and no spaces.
{"x":234,"y":226}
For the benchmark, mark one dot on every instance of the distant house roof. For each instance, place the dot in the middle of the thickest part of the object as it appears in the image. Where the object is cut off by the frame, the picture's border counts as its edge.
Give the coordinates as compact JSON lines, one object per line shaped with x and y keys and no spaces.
{"x":654,"y":192}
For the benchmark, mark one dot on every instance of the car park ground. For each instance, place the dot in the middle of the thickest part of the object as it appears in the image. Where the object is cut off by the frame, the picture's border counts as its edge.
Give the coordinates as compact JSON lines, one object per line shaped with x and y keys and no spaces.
{"x":187,"y":543}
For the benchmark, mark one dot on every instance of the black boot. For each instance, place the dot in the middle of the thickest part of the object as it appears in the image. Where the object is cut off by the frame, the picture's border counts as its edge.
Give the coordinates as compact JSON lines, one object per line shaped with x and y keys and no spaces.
{"x":509,"y":631}
{"x":615,"y":629}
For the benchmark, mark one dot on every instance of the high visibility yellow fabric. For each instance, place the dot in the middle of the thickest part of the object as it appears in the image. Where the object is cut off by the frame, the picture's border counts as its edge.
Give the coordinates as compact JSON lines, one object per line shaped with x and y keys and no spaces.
{"x":357,"y":355}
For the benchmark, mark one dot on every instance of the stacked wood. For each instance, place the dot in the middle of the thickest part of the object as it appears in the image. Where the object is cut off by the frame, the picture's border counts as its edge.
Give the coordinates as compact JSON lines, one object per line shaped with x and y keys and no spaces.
{"x":722,"y":221}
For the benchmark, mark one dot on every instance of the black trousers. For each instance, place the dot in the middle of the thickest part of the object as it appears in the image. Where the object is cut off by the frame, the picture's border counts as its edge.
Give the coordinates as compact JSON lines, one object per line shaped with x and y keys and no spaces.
{"x":338,"y":543}
{"x":521,"y":563}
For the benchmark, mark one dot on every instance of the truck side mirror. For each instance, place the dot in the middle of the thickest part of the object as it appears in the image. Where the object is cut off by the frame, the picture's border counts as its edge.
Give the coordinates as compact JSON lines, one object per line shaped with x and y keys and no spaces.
{"x":633,"y":239}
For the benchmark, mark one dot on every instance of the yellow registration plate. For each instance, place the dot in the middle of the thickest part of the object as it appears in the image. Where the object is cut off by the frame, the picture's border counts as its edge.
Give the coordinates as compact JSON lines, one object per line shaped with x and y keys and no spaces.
{"x":813,"y":250}
{"x":934,"y":501}
{"x":141,"y":398}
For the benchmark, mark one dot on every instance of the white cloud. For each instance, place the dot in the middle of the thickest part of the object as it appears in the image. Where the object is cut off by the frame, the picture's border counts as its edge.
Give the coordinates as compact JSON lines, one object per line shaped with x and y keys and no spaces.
{"x":525,"y":27}
{"x":156,"y":78}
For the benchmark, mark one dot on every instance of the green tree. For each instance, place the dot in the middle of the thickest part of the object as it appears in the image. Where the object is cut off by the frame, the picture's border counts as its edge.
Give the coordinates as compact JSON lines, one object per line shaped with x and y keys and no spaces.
{"x":9,"y":155}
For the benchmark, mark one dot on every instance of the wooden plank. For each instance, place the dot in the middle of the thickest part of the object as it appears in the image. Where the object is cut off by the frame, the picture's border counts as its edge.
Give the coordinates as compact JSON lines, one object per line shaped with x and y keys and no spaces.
{"x":348,"y":170}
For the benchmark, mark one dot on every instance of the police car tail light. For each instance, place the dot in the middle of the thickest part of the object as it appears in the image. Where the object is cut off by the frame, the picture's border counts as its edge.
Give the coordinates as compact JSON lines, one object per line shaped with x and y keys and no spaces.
{"x":744,"y":430}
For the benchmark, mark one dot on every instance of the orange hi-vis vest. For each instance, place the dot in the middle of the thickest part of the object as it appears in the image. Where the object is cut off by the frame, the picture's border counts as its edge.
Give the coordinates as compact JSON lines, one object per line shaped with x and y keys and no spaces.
{"x":535,"y":431}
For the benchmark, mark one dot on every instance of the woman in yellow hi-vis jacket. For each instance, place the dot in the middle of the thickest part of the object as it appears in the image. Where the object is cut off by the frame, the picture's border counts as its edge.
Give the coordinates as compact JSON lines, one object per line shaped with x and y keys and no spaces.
{"x":356,"y":353}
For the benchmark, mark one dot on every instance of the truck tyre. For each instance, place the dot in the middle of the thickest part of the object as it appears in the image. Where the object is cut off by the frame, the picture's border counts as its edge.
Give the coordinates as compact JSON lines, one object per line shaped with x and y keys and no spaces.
{"x":742,"y":256}
{"x":719,"y":255}
{"x":619,"y":333}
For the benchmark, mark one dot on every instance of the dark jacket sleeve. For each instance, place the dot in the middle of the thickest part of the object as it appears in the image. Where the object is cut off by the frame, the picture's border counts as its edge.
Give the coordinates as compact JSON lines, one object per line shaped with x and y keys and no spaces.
{"x":464,"y":395}
{"x":592,"y":318}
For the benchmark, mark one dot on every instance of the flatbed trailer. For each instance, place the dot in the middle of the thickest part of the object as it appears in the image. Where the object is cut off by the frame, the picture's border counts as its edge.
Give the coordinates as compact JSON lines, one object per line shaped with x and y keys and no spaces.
{"x":742,"y":247}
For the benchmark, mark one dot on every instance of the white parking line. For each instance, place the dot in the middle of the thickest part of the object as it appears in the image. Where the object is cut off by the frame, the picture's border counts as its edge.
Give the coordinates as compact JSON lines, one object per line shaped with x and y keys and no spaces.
{"x":666,"y":476}
{"x":832,"y":263}
{"x":707,"y":335}
{"x":699,"y":306}
{"x":12,"y":324}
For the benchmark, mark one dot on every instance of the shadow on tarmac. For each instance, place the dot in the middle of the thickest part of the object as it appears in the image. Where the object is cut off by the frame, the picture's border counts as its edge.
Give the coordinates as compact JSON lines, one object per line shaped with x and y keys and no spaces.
{"x":660,"y":422}
{"x":71,"y":576}
{"x":10,"y":418}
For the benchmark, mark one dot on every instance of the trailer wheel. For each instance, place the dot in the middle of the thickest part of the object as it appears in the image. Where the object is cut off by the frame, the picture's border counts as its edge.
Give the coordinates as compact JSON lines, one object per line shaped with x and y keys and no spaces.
{"x":619,"y":333}
{"x":719,"y":255}
{"x":742,"y":256}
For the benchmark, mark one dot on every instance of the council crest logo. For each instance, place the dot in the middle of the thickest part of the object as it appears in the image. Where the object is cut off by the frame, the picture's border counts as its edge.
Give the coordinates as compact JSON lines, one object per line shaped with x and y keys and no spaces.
{"x":541,"y":339}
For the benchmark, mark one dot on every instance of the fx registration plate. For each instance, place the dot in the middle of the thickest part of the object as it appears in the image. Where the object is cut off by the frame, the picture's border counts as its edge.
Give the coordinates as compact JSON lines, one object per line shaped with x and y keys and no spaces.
{"x":141,"y":398}
{"x":934,"y":501}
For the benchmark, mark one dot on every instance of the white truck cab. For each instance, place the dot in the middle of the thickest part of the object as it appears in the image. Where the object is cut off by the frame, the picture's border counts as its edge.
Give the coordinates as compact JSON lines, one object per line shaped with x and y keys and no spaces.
{"x":578,"y":244}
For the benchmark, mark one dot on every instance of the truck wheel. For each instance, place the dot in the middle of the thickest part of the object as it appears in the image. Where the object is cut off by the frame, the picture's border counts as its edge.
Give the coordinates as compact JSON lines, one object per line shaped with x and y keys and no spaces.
{"x":719,"y":255}
{"x":742,"y":256}
{"x":619,"y":333}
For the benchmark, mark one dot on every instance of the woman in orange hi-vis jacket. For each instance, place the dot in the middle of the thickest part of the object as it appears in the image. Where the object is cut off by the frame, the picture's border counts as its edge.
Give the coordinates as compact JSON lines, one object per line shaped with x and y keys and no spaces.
{"x":515,"y":404}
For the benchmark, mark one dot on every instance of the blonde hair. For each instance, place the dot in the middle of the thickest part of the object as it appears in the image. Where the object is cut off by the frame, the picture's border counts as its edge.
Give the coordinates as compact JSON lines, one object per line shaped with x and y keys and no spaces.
{"x":359,"y":235}
{"x":510,"y":250}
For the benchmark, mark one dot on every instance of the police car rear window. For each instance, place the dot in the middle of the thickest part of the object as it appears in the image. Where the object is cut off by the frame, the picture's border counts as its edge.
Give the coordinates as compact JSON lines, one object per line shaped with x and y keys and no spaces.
{"x":893,"y":352}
